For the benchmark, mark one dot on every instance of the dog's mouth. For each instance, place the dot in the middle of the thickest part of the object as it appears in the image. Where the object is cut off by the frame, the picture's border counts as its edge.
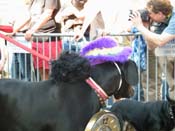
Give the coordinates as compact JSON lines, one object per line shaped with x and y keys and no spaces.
{"x":127,"y":92}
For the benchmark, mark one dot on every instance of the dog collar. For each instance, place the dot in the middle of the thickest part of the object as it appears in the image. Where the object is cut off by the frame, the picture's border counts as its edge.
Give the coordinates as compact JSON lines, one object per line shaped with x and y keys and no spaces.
{"x":120,"y":83}
{"x":100,"y":92}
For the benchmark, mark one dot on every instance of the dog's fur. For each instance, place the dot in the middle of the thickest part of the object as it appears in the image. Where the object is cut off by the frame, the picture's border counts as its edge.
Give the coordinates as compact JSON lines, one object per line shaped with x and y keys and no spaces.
{"x":65,"y":102}
{"x":146,"y":116}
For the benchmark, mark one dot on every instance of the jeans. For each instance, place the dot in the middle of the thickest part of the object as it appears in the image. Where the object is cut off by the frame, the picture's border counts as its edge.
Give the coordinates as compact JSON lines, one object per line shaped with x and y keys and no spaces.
{"x":21,"y":62}
{"x":138,"y":93}
{"x":138,"y":90}
{"x":164,"y":89}
{"x":71,"y":45}
{"x":21,"y":66}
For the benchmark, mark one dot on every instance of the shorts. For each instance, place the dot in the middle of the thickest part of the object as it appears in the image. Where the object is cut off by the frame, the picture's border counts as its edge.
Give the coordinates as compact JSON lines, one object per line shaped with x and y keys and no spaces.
{"x":51,"y":50}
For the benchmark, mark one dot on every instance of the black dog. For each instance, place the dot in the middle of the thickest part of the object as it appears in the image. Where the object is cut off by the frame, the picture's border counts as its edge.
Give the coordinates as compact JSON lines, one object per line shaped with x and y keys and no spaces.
{"x":148,"y":116}
{"x":65,"y":102}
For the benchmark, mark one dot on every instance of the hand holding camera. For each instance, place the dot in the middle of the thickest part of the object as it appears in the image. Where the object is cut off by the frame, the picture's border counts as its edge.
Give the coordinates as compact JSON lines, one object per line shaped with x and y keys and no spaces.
{"x":138,"y":17}
{"x":143,"y":13}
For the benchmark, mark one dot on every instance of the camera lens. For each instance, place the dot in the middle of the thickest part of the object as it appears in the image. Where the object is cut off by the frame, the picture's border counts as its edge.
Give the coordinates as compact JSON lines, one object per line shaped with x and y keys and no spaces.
{"x":144,"y":15}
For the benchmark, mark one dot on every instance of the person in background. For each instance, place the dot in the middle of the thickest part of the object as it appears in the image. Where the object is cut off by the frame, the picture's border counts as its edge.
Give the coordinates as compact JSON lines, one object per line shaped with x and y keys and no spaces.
{"x":3,"y":58}
{"x":139,"y":55}
{"x":20,"y":62}
{"x":114,"y":15}
{"x":41,"y":20}
{"x":3,"y":48}
{"x":71,"y":24}
{"x":158,"y":27}
{"x":159,"y":11}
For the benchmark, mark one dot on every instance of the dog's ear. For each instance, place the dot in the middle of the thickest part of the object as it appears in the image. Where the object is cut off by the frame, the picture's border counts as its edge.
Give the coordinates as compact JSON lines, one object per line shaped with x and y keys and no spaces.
{"x":131,"y":72}
{"x":170,"y":101}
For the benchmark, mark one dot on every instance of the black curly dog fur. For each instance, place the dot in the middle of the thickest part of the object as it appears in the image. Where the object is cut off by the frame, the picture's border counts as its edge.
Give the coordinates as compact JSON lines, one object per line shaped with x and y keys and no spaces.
{"x":65,"y":102}
{"x":148,"y":116}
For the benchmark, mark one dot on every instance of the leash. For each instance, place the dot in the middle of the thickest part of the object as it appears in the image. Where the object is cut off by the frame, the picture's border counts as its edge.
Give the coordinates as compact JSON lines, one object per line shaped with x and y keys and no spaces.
{"x":6,"y":28}
{"x":9,"y":39}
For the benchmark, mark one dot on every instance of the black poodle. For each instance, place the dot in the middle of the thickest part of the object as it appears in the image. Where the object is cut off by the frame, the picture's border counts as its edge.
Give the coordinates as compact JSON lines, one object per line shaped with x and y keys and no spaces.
{"x":146,"y":116}
{"x":65,"y":102}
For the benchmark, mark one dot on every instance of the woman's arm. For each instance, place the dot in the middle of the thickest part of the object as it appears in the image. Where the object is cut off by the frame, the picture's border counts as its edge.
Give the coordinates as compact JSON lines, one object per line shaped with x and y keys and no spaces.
{"x":90,"y":11}
{"x":44,"y":18}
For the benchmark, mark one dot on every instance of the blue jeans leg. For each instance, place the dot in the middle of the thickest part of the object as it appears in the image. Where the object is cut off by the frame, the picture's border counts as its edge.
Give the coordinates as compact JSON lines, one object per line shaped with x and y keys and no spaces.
{"x":21,"y":66}
{"x":72,"y":45}
{"x":165,"y":89}
{"x":138,"y":93}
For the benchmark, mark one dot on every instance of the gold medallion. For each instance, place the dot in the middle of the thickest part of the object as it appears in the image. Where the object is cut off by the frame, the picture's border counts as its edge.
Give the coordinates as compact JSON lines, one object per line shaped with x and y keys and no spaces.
{"x":103,"y":121}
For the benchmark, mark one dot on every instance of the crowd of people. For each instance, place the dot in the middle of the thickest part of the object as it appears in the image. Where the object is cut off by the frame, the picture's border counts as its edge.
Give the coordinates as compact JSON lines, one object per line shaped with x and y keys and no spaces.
{"x":89,"y":19}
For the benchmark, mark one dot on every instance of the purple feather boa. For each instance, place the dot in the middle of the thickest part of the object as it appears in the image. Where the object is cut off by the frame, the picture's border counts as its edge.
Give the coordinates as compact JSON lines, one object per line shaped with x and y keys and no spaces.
{"x":105,"y":42}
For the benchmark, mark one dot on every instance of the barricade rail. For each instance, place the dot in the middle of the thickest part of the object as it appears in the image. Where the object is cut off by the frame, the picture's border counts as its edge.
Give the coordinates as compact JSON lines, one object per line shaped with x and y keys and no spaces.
{"x":155,"y":80}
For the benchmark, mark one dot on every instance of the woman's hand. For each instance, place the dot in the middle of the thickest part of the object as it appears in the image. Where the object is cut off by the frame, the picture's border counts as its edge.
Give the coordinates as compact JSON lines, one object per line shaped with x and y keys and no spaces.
{"x":28,"y":35}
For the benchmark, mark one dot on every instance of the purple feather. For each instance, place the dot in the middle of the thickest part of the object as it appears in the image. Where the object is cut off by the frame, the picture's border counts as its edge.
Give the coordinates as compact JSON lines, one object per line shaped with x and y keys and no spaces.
{"x":105,"y":42}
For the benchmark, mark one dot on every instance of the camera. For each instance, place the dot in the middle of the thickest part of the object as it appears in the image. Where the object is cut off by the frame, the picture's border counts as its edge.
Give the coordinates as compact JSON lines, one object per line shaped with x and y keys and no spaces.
{"x":144,"y":14}
{"x":158,"y":27}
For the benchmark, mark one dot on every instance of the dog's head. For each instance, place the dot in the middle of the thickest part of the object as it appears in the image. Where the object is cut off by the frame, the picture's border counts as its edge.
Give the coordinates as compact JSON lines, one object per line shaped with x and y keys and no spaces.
{"x":116,"y":78}
{"x":70,"y":67}
{"x":107,"y":50}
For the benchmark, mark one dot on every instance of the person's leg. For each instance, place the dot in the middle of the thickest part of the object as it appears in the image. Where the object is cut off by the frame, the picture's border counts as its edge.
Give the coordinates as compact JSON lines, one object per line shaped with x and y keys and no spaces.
{"x":29,"y":66}
{"x":164,"y":87}
{"x":66,"y":45}
{"x":44,"y":74}
{"x":15,"y":66}
{"x":166,"y":68}
{"x":25,"y":66}
{"x":138,"y":89}
{"x":23,"y":62}
{"x":151,"y":83}
{"x":138,"y":92}
{"x":170,"y":76}
{"x":22,"y":66}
